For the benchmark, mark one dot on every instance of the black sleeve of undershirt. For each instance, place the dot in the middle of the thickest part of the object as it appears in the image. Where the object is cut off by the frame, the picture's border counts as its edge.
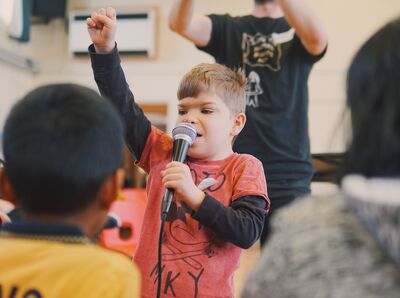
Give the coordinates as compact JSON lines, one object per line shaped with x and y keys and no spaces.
{"x":110,"y":79}
{"x":240,"y":223}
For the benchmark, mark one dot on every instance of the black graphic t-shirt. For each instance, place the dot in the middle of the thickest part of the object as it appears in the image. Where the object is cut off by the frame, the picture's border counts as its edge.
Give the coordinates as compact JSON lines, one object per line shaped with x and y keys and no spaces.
{"x":277,"y":67}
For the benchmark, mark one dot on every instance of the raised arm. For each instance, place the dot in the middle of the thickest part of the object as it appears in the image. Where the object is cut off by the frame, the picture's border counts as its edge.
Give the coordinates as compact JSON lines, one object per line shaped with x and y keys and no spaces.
{"x":111,"y":81}
{"x":307,"y":25}
{"x":194,"y":27}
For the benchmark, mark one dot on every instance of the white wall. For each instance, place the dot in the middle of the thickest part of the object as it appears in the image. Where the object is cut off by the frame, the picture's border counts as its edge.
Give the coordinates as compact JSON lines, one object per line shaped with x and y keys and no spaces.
{"x":348,"y":22}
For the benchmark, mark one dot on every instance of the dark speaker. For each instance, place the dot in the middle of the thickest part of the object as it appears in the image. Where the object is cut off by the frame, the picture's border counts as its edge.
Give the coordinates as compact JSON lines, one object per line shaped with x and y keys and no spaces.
{"x":48,"y":9}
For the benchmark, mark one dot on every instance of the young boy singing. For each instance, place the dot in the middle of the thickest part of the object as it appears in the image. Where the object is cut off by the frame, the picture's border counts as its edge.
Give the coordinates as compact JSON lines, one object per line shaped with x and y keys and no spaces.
{"x":208,"y":224}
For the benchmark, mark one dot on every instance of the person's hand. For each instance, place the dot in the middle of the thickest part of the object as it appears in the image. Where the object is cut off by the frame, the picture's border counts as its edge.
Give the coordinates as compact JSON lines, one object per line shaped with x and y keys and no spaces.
{"x":5,"y":206}
{"x":102,"y":27}
{"x":178,"y":177}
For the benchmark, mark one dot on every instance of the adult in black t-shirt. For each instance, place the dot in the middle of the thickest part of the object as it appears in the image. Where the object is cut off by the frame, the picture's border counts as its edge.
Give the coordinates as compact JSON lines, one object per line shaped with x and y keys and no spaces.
{"x":276,"y":46}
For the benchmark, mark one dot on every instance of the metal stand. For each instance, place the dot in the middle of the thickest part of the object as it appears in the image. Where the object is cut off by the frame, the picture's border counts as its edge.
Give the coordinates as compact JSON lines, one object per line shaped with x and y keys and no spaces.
{"x":18,"y":60}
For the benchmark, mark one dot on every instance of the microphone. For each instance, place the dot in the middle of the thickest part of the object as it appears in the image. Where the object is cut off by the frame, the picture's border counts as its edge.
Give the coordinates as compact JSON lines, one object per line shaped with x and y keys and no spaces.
{"x":184,"y":135}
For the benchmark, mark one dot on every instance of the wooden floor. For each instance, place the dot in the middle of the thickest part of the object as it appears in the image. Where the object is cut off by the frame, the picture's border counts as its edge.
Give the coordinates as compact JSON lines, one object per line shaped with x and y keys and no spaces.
{"x":247,"y":260}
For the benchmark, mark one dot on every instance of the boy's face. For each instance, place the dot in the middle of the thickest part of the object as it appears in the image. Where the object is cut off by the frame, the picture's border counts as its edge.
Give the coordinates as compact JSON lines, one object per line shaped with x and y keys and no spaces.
{"x":215,"y":125}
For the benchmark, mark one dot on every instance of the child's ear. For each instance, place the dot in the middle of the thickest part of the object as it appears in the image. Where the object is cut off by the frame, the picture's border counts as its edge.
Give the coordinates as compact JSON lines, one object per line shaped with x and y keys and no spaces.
{"x":240,"y":121}
{"x":111,"y":188}
{"x":6,"y":190}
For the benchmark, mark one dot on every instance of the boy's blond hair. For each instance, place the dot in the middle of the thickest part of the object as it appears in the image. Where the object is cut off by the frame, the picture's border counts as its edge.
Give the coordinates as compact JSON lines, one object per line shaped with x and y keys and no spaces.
{"x":228,"y":84}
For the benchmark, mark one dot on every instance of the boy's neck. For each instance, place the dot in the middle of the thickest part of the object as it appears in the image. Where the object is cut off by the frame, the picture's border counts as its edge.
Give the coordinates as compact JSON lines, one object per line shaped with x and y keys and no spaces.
{"x":218,"y":157}
{"x":270,"y":10}
{"x":88,"y":223}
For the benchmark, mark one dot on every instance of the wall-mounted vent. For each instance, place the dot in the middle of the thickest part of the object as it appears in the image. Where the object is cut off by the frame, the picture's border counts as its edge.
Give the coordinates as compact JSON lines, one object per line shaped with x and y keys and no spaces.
{"x":136,"y":32}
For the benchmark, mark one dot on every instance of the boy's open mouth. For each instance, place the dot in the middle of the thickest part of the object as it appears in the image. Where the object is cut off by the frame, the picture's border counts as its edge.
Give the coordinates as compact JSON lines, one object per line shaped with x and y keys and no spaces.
{"x":198,"y":135}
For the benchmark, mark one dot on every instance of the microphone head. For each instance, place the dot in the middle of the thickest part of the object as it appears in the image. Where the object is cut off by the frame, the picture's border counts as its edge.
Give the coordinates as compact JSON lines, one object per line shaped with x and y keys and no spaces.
{"x":185,"y":131}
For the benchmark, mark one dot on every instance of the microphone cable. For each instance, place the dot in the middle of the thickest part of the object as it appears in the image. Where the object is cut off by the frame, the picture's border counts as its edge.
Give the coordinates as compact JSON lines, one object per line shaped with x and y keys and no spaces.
{"x":183,"y":135}
{"x":159,"y":263}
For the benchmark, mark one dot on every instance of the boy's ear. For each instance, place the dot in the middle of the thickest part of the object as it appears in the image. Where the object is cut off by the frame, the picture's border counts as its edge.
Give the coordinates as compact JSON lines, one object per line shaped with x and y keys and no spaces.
{"x":240,"y":121}
{"x":5,"y":188}
{"x":111,"y":188}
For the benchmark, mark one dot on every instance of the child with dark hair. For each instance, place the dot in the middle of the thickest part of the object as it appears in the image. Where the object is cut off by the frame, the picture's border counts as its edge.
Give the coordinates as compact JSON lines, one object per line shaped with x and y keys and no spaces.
{"x":221,"y":197}
{"x":348,"y":244}
{"x":62,"y":147}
